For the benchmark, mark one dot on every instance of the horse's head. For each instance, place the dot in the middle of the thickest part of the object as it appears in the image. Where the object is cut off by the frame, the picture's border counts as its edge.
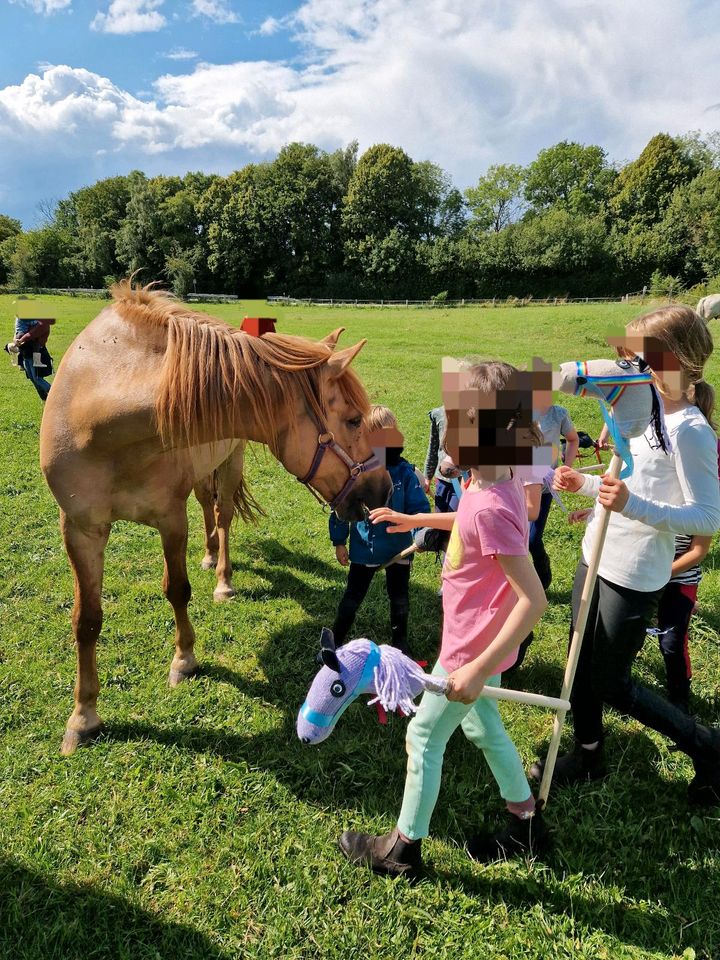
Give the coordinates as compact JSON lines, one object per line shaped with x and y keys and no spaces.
{"x":346,"y":673}
{"x":342,"y":466}
{"x":625,"y":385}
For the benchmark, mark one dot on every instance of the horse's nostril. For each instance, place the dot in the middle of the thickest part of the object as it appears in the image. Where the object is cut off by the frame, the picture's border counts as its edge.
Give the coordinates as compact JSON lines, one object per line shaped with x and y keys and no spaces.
{"x":305,"y":739}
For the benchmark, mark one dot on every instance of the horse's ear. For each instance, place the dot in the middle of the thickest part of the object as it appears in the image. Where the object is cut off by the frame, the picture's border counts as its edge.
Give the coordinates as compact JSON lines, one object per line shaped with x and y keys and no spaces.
{"x":332,"y":338}
{"x":341,"y":359}
{"x":327,"y":650}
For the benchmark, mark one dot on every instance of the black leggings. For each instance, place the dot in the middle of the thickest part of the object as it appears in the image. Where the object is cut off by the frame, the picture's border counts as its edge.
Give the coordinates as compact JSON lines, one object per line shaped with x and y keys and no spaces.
{"x":614,"y":635}
{"x":397,"y":582}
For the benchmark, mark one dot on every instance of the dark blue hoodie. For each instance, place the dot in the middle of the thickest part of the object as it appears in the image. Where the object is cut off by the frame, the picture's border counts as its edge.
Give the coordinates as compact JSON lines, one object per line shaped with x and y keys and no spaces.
{"x":371,"y":544}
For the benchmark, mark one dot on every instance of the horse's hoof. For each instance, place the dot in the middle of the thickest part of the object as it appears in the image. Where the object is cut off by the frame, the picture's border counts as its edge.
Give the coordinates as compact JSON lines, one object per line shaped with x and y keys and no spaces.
{"x":78,"y":738}
{"x":220,"y":594}
{"x":208,"y":563}
{"x":177,"y":677}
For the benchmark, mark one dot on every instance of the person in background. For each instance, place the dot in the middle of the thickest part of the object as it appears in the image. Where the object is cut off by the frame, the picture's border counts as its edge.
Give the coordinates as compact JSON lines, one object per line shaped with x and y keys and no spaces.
{"x":31,"y":337}
{"x":371,"y":545}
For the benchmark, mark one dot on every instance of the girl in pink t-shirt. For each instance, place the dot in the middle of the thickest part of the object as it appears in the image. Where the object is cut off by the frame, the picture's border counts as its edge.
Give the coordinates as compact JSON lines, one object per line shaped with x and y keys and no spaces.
{"x":492,"y":598}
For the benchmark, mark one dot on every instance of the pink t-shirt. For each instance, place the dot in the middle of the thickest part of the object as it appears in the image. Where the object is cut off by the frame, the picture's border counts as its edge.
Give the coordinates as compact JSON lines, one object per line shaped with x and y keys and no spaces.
{"x":477,"y":597}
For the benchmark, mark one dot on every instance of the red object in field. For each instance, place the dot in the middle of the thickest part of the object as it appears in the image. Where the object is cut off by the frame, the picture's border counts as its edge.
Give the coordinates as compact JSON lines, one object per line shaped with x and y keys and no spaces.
{"x":257,"y":326}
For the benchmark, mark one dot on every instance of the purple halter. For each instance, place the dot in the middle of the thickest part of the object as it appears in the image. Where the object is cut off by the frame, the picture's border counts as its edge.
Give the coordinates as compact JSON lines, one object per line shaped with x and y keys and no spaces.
{"x":327,"y":441}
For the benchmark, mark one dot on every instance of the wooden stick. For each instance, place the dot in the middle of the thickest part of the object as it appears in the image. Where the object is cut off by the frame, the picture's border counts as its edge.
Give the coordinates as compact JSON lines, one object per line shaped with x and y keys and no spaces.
{"x":438,"y":685}
{"x":413,"y":548}
{"x":522,"y":696}
{"x":577,"y":638}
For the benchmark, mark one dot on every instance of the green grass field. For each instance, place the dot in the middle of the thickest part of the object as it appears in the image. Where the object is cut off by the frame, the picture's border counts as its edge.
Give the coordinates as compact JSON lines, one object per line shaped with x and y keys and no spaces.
{"x":199,"y":827}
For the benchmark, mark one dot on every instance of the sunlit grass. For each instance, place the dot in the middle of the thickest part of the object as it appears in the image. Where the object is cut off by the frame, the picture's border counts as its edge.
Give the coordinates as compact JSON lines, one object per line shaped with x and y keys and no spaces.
{"x":200,"y":827}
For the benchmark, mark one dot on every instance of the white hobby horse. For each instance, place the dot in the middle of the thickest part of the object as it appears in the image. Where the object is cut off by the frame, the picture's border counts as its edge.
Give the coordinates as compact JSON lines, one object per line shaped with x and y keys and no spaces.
{"x":709,"y":307}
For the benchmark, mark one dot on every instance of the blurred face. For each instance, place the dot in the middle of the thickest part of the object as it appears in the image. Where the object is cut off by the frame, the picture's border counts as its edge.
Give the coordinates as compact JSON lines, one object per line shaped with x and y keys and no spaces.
{"x":671,"y":379}
{"x":491,"y":430}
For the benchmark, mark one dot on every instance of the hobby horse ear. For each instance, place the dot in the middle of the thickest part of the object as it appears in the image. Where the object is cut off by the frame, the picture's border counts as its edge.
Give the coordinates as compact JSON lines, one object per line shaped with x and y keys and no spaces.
{"x":327,"y":650}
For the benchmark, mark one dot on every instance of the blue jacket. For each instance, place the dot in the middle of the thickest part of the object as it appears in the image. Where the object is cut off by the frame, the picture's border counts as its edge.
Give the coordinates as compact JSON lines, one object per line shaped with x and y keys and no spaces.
{"x":371,"y":544}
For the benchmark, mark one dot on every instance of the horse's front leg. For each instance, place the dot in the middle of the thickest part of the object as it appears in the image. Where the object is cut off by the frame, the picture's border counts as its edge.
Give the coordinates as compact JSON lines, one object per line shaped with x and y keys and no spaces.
{"x":229,"y":478}
{"x":176,"y":587}
{"x":86,"y":550}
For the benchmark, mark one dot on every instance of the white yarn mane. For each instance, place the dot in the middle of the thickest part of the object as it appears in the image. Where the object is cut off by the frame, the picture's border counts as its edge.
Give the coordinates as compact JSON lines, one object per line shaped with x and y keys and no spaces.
{"x":397,"y":679}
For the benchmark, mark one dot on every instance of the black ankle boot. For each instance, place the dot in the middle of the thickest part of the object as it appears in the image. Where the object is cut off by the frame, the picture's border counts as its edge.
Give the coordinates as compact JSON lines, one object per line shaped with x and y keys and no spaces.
{"x":704,"y":788}
{"x":519,"y":838}
{"x":389,"y":854}
{"x":578,"y":766}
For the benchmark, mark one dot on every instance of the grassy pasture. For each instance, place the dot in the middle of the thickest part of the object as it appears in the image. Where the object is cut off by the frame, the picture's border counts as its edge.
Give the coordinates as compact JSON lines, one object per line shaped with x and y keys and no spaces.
{"x":199,"y":827}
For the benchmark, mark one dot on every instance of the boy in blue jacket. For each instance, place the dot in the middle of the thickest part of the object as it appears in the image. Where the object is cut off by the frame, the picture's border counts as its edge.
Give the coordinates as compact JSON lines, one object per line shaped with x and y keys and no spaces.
{"x":371,"y":545}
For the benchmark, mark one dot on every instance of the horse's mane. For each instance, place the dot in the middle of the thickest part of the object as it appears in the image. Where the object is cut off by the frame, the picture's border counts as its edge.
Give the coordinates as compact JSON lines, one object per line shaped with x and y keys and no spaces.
{"x":209,"y":367}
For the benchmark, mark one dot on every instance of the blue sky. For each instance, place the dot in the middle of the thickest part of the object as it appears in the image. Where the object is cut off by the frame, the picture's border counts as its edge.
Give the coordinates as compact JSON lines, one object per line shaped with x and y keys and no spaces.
{"x":93,"y":88}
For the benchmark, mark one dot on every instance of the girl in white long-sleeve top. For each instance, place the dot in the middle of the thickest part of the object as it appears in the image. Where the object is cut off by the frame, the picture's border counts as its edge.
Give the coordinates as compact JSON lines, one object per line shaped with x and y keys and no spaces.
{"x":668,"y":493}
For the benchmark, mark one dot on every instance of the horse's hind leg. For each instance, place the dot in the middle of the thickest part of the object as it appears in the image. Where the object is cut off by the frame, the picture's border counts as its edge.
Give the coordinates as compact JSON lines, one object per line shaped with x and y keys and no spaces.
{"x":205,"y":494}
{"x":86,"y":549}
{"x":229,"y":477}
{"x":176,"y":587}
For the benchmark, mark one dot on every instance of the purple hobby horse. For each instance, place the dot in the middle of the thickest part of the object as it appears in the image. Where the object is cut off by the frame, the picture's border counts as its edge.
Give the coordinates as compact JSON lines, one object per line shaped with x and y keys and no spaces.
{"x":395,"y":680}
{"x":359,"y":667}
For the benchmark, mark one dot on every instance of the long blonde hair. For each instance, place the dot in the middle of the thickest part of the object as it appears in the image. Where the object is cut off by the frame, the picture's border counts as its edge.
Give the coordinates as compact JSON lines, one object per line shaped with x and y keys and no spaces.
{"x":685,"y":334}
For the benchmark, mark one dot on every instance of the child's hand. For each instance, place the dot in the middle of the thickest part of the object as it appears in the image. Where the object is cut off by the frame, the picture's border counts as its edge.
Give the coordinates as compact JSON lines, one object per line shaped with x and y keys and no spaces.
{"x":465,"y":684}
{"x":579,"y":516}
{"x":613,"y":494}
{"x":565,"y":478}
{"x":402,"y":522}
{"x":342,"y":554}
{"x":426,"y":485}
{"x":448,"y":469}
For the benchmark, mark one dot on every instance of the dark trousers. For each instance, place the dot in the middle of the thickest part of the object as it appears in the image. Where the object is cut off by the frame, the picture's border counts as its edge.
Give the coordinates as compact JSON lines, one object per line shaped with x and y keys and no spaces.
{"x":540,"y":559}
{"x":674,"y":611}
{"x":41,"y":385}
{"x":397,"y":582}
{"x":614,"y":635}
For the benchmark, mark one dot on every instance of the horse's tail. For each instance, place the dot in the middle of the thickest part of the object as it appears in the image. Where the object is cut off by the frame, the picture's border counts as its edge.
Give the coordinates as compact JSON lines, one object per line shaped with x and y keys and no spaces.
{"x":245,"y":505}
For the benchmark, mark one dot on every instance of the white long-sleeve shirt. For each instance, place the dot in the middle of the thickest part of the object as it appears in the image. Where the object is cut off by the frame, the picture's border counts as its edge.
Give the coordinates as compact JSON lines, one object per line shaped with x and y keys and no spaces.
{"x":669,"y":493}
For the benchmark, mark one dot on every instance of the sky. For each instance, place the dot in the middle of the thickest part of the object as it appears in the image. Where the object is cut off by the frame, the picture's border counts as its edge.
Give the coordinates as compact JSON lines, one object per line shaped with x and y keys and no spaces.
{"x":92,"y":89}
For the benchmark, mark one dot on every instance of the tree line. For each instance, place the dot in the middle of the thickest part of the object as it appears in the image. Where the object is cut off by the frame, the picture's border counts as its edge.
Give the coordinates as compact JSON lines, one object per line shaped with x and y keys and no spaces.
{"x":332,"y":224}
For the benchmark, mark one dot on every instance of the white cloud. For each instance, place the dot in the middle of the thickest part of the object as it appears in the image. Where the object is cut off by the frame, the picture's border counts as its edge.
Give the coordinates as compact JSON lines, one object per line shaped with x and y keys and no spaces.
{"x":45,"y":7}
{"x":455,"y":81}
{"x":180,"y":53}
{"x":219,"y":11}
{"x":130,"y":16}
{"x":269,"y":26}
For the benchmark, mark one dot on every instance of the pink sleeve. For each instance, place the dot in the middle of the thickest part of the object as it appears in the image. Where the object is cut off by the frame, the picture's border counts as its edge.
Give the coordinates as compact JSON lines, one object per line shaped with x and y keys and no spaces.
{"x":500,"y":532}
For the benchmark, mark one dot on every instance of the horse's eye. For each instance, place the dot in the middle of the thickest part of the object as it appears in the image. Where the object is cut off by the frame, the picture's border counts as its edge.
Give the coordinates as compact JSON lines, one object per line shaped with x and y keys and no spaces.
{"x":355,"y":423}
{"x":338,"y":688}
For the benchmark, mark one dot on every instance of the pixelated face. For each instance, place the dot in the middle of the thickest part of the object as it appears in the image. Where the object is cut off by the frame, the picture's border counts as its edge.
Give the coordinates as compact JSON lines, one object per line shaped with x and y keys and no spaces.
{"x":384,"y":439}
{"x":494,"y":428}
{"x":663,"y":363}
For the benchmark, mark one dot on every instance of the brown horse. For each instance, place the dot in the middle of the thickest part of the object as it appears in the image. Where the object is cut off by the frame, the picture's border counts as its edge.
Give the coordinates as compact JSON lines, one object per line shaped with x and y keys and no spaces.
{"x":148,"y":401}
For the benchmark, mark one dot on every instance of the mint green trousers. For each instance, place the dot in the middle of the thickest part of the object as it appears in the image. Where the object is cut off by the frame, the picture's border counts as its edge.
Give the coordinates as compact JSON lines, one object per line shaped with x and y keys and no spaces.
{"x":428,"y":734}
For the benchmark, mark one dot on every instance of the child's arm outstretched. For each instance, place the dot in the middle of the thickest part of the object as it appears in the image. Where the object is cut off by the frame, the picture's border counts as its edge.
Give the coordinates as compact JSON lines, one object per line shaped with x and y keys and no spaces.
{"x":406,"y":522}
{"x":467,"y":681}
{"x":696,"y":466}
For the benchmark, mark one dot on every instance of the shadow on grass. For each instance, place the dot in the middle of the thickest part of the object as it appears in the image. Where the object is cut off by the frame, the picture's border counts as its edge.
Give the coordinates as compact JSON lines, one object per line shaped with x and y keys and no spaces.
{"x":40,"y":918}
